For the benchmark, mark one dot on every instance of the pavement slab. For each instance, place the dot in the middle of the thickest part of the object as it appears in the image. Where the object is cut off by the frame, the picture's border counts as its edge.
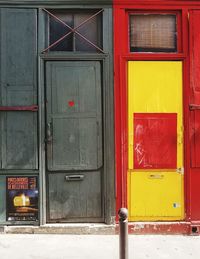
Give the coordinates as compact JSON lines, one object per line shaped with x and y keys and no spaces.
{"x":62,"y":246}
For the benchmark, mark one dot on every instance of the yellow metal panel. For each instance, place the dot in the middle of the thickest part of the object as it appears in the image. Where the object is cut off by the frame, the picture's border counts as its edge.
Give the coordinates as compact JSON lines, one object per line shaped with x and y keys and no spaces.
{"x":156,"y":196}
{"x":155,"y":87}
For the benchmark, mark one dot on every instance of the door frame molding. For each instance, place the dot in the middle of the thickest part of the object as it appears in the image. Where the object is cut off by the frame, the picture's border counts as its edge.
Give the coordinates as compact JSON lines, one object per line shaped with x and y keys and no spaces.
{"x":108,"y":136}
{"x":107,"y":111}
{"x":121,"y":119}
{"x":122,"y":54}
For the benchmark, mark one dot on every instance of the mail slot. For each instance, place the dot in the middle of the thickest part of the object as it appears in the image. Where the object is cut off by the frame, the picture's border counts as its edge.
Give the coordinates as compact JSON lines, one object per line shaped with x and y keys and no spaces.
{"x":74,"y":177}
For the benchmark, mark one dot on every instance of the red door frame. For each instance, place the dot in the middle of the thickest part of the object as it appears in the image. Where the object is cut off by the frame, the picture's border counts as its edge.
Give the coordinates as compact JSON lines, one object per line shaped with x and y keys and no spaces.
{"x":121,"y":56}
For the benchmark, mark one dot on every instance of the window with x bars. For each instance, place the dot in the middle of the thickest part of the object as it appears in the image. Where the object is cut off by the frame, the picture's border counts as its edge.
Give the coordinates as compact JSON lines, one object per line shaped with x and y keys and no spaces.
{"x":75,"y":30}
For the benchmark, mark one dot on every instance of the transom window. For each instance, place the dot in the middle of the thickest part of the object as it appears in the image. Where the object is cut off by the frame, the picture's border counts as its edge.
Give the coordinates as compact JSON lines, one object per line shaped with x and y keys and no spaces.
{"x":153,"y":33}
{"x":75,"y":30}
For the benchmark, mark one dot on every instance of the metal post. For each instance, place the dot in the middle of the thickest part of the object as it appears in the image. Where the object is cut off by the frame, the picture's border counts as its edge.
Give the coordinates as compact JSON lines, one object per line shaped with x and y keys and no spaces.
{"x":123,"y":233}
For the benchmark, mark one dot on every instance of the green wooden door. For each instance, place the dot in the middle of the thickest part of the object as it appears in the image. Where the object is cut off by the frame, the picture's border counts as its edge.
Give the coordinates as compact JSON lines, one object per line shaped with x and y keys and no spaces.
{"x":74,"y":141}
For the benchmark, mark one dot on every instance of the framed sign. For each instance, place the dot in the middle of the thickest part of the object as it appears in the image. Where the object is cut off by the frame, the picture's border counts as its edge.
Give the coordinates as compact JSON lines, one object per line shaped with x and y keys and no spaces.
{"x":21,"y":198}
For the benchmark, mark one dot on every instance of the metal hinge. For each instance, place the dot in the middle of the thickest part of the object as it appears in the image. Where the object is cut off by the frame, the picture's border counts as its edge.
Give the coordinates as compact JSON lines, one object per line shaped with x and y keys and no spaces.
{"x":180,"y":170}
{"x":193,"y":107}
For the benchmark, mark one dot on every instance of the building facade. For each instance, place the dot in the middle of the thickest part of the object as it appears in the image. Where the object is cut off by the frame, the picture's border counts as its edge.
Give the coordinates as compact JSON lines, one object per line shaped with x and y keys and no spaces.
{"x":100,"y":110}
{"x":57,"y":143}
{"x":156,"y":47}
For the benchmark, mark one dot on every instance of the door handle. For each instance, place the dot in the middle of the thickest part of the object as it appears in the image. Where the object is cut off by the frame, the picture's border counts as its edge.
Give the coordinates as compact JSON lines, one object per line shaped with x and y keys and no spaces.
{"x":74,"y":177}
{"x":156,"y":176}
{"x":49,"y":133}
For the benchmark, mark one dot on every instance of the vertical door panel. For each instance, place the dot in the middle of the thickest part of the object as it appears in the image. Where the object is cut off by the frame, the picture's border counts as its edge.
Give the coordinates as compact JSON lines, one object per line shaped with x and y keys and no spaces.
{"x":194,"y":57}
{"x":194,"y":119}
{"x":74,"y":115}
{"x":195,"y":89}
{"x":18,"y":56}
{"x":195,"y":138}
{"x":155,"y":121}
{"x":18,"y":87}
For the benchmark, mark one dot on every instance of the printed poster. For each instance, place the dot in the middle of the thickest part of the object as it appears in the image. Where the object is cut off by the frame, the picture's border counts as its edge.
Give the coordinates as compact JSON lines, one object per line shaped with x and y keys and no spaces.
{"x":21,"y":198}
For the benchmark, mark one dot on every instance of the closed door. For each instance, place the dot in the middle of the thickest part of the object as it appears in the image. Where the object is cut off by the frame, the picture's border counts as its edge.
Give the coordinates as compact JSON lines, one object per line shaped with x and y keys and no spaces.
{"x":155,"y":141}
{"x":74,"y":158}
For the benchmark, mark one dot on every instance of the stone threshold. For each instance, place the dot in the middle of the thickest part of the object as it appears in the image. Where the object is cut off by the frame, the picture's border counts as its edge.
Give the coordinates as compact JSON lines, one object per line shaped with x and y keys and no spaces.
{"x":141,"y":228}
{"x":68,"y":228}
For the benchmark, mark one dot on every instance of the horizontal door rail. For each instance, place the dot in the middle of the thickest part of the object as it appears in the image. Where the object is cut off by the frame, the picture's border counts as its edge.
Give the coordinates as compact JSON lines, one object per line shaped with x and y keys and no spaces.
{"x":32,"y":108}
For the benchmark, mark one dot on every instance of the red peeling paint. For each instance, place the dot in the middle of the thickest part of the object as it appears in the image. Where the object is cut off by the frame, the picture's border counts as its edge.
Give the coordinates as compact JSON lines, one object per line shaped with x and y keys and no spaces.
{"x":155,"y":140}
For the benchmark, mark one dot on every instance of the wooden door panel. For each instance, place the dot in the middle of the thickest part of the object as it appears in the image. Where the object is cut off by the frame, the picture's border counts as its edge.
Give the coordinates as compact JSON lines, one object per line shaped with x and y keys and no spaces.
{"x":18,"y":87}
{"x":74,"y":112}
{"x":18,"y":55}
{"x":19,"y":140}
{"x":74,"y":144}
{"x":75,"y":197}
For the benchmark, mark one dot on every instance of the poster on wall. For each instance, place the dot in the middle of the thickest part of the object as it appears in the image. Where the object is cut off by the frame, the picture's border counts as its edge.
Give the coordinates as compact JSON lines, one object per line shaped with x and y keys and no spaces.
{"x":21,"y":198}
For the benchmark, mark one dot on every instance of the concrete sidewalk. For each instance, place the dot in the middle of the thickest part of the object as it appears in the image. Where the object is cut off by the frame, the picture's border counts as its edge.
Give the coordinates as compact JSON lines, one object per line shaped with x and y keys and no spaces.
{"x":43,"y":246}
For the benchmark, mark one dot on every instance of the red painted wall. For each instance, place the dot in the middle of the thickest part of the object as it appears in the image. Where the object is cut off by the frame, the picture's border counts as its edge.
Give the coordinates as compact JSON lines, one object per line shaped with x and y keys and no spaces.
{"x":195,"y":114}
{"x":189,"y":53}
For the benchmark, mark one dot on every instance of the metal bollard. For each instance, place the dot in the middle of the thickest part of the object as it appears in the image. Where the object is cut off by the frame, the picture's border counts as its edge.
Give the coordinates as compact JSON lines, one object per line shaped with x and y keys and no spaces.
{"x":123,"y":233}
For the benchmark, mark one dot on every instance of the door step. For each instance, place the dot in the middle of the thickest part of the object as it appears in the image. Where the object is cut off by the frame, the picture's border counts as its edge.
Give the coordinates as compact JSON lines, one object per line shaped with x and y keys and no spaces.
{"x":69,"y":228}
{"x":141,"y":228}
{"x":159,"y":228}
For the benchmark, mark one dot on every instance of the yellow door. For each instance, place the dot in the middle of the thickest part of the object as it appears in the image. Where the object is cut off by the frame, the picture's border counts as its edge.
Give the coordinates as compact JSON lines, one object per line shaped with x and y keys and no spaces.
{"x":155,"y":141}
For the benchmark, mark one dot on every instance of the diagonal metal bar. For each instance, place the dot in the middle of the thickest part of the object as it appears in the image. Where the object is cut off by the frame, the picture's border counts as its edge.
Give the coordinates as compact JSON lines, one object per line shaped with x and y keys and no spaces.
{"x":85,"y":21}
{"x":72,"y":30}
{"x":56,"y":42}
{"x":58,"y":19}
{"x":94,"y":45}
{"x":65,"y":24}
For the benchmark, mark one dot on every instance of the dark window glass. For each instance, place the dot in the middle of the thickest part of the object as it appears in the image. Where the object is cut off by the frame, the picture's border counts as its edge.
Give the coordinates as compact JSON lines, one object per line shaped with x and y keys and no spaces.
{"x":153,"y":33}
{"x":89,"y":31}
{"x":57,"y":30}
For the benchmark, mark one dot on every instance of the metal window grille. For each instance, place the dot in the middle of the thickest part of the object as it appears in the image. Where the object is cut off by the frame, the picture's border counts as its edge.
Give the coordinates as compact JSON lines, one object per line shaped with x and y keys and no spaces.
{"x":74,"y":30}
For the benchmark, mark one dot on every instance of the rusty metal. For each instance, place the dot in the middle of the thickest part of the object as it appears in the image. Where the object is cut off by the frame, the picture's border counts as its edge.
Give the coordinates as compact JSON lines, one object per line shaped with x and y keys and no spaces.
{"x":32,"y":108}
{"x":72,"y":30}
{"x":123,"y":233}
